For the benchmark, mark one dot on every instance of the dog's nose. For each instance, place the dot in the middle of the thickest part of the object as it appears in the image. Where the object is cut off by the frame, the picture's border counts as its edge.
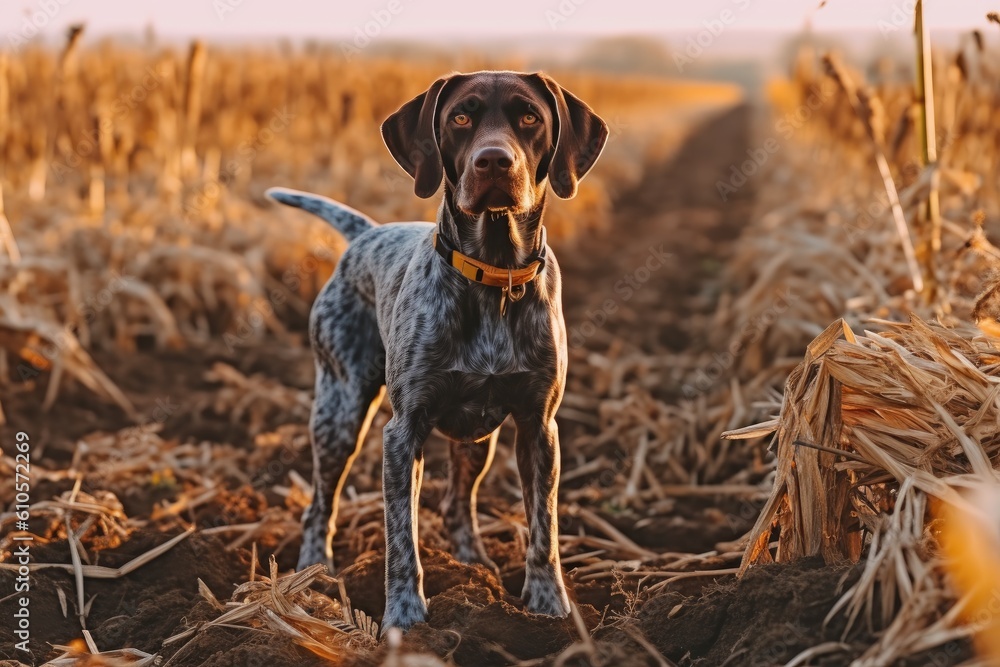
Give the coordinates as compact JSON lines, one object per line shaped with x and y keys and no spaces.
{"x":492,"y":161}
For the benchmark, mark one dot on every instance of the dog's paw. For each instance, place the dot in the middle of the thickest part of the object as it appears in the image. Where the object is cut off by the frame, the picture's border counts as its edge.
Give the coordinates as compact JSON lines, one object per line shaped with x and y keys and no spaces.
{"x":545,"y":596}
{"x":403,"y":614}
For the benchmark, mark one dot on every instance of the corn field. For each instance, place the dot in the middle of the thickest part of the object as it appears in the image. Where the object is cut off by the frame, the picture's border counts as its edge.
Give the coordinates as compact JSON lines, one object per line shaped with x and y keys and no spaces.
{"x":779,"y":446}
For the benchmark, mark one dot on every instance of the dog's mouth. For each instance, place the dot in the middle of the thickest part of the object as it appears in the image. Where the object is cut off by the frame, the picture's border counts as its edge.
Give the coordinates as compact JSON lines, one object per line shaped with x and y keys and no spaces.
{"x":491,"y":197}
{"x":495,"y":198}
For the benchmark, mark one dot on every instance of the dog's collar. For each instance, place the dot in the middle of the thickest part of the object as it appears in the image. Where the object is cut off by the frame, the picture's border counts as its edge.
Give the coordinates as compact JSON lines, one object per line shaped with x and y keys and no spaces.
{"x":484,"y":273}
{"x":511,"y":281}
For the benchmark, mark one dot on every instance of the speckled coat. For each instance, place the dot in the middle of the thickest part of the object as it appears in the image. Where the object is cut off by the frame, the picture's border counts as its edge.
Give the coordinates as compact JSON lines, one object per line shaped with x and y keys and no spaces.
{"x":394,"y":317}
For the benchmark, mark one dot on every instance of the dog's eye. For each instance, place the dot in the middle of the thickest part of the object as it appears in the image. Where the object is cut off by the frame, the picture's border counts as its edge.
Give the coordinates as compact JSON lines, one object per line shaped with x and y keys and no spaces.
{"x":529,"y":119}
{"x":461,"y":119}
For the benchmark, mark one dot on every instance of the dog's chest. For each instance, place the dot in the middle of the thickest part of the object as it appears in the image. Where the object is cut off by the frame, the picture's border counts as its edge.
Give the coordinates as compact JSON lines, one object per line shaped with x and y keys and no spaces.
{"x":493,"y":367}
{"x":491,"y":351}
{"x":487,"y":345}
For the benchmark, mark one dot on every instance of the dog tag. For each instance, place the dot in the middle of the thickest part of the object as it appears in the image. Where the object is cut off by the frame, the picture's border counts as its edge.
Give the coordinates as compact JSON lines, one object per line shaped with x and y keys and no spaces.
{"x":510,"y":292}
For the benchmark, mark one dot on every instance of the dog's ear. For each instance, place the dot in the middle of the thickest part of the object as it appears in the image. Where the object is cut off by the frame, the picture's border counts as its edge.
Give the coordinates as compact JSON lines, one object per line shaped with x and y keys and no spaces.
{"x":580,"y":138}
{"x":410,"y":135}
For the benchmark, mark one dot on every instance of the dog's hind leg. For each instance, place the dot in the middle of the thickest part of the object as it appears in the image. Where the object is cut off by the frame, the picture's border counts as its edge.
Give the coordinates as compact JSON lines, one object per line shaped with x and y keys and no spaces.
{"x":537,"y":447}
{"x":468,"y":465}
{"x":350,"y":373}
{"x":340,"y":420}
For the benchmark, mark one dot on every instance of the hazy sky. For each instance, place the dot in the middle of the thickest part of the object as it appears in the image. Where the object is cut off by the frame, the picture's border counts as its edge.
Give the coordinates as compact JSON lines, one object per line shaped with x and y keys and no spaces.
{"x":408,"y":19}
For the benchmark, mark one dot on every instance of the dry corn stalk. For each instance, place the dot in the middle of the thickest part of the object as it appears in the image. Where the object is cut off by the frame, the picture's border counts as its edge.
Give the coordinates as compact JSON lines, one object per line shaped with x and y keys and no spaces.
{"x":865,"y":107}
{"x":192,"y":105}
{"x":871,"y":427}
{"x":863,"y":414}
{"x":930,"y":214}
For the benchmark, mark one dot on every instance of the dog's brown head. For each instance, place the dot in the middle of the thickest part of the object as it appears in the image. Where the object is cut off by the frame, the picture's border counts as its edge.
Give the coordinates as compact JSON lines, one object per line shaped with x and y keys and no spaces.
{"x":497,"y":138}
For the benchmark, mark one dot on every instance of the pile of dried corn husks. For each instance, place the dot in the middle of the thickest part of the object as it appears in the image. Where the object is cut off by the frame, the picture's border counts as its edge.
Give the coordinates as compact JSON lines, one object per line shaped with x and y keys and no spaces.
{"x":871,"y":427}
{"x":864,"y":413}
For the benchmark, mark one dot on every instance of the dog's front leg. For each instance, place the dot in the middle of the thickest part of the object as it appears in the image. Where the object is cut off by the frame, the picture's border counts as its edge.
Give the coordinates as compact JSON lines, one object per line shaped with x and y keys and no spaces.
{"x":402,"y":471}
{"x":538,"y":463}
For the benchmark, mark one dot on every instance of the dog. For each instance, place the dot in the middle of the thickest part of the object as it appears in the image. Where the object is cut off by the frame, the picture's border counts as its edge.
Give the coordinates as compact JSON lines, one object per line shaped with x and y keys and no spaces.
{"x":460,"y":321}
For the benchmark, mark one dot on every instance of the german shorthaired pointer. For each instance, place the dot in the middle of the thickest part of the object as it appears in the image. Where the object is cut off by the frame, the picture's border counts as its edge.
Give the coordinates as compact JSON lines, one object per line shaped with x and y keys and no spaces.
{"x":461,"y":320}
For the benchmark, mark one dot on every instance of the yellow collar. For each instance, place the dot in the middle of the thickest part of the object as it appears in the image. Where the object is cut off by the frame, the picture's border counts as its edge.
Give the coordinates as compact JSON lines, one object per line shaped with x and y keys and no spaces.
{"x":487,"y":274}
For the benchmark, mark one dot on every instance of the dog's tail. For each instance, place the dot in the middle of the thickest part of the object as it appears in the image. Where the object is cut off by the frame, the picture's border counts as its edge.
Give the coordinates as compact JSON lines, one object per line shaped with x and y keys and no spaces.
{"x":344,"y":219}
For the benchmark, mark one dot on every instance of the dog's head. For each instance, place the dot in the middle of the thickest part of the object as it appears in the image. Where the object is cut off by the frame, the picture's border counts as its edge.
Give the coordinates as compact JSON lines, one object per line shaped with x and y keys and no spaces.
{"x":497,"y":138}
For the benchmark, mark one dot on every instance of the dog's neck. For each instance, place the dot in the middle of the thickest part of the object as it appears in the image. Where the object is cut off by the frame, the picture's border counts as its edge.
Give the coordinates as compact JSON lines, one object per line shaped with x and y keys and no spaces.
{"x":498,"y":238}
